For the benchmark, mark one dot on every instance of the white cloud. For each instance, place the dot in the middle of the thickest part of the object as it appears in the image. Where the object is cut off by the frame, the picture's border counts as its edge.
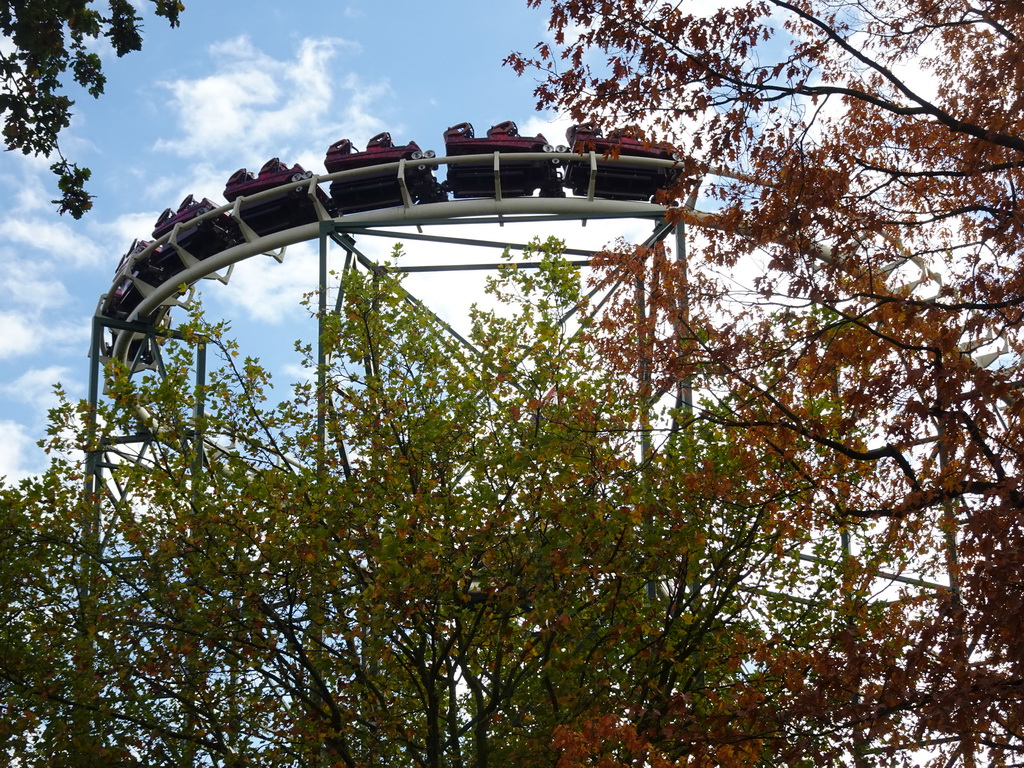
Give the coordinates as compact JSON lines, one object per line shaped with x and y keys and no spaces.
{"x":202,"y":179}
{"x":449,"y":294}
{"x":253,"y":106}
{"x":26,"y":179}
{"x":18,"y":336}
{"x":124,"y":229}
{"x":24,"y":334}
{"x":298,"y":373}
{"x":19,"y":457}
{"x":56,"y":238}
{"x":268,"y":291}
{"x":553,"y":128}
{"x":35,"y":387}
{"x":29,"y":284}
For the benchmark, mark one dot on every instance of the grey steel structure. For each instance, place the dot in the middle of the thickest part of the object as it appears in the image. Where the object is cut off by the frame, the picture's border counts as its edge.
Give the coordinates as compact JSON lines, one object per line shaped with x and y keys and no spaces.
{"x":135,"y":338}
{"x":135,"y":341}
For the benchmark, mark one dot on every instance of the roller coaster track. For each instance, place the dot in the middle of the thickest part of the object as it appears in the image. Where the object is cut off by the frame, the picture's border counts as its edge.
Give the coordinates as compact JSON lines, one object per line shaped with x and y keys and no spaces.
{"x":411,"y":218}
{"x":474,"y":210}
{"x":149,"y":318}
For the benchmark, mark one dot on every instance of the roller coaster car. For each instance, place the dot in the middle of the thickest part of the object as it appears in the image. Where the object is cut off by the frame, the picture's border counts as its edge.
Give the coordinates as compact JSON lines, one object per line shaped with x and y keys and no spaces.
{"x":381,"y":189}
{"x":620,"y":180}
{"x":516,"y":178}
{"x":290,"y":207}
{"x":126,"y":295}
{"x":202,"y":239}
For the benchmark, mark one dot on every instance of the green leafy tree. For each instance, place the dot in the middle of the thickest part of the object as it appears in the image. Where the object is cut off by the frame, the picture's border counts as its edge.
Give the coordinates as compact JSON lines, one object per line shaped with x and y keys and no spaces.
{"x":505,"y":552}
{"x":50,"y":42}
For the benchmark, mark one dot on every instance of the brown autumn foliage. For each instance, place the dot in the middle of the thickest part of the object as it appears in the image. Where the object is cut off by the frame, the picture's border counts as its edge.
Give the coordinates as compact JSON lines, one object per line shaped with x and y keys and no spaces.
{"x":851,"y":307}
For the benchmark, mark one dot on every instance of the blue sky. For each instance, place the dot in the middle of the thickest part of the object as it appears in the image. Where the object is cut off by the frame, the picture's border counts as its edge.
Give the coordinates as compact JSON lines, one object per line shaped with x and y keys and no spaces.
{"x":237,"y":83}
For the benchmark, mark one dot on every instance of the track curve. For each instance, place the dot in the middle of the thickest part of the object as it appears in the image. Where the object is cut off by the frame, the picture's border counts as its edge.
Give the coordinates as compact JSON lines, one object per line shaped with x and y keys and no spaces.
{"x":158,"y":297}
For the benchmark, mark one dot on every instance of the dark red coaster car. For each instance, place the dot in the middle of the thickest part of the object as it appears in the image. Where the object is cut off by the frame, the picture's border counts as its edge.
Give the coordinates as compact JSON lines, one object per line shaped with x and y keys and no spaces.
{"x":290,"y":207}
{"x":516,"y":179}
{"x":202,"y":239}
{"x":126,"y":295}
{"x":383,"y":189}
{"x":620,"y":180}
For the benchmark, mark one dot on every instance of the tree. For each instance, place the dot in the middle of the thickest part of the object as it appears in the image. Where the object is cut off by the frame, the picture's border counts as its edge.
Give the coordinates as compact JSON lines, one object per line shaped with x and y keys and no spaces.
{"x":851,"y":304}
{"x":49,"y":38}
{"x":505,"y":555}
